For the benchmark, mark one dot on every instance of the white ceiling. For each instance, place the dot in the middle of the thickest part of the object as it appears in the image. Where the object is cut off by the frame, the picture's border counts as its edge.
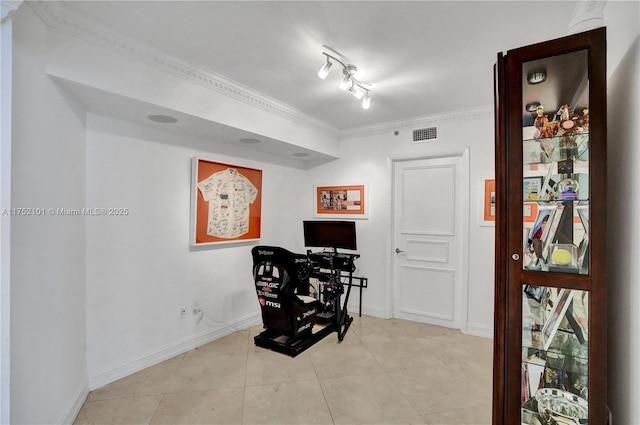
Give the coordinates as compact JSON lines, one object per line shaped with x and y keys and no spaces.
{"x":421,"y":58}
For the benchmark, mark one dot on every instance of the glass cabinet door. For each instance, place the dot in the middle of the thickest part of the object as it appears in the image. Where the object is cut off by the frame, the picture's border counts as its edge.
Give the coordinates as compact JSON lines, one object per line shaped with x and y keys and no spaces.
{"x":555,"y":225}
{"x":555,"y":334}
{"x":555,"y":146}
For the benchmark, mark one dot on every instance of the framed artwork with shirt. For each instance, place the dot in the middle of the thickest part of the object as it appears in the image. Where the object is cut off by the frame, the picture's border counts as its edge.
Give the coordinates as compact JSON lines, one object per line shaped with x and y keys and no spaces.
{"x":225,"y":202}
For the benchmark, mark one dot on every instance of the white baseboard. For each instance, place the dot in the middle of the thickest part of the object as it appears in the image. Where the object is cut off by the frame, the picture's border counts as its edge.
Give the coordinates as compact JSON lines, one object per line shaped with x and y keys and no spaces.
{"x":76,"y":405}
{"x":474,"y":329}
{"x":477,"y":329}
{"x":179,"y":347}
{"x":369,"y":311}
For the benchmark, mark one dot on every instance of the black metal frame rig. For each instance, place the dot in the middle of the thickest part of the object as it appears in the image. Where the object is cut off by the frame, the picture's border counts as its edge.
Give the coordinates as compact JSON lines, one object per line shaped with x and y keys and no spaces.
{"x":332,"y":286}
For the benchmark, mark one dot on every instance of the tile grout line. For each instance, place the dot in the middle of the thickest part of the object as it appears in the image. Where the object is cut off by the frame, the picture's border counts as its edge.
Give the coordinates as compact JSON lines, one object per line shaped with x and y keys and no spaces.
{"x":246,"y":369}
{"x":168,"y":387}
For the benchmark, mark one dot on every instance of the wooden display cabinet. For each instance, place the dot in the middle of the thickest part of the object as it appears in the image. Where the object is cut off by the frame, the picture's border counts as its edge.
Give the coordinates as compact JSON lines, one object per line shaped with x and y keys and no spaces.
{"x":550,"y":347}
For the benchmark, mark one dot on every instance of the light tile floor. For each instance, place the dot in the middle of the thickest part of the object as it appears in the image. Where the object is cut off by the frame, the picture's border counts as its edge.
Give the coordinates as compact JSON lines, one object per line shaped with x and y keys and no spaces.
{"x":384,"y":372}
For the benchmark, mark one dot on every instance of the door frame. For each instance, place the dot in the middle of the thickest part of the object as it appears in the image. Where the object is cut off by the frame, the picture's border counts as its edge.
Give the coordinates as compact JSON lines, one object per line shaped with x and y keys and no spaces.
{"x":463,"y":303}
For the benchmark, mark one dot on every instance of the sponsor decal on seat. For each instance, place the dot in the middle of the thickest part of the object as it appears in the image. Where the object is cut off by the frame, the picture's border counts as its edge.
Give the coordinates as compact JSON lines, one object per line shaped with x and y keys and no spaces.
{"x":304,"y":327}
{"x":308,"y":313}
{"x":272,"y":304}
{"x":267,"y":294}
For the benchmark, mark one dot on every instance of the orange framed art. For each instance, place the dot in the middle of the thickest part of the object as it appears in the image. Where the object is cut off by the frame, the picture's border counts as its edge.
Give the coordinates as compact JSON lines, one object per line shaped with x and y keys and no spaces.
{"x":226,"y":203}
{"x":529,"y":212}
{"x":341,"y":201}
{"x":489,"y":206}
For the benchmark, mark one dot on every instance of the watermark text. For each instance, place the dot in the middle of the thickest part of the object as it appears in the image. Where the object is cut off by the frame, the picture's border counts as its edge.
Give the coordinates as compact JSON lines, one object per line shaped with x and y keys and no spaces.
{"x":60,"y":211}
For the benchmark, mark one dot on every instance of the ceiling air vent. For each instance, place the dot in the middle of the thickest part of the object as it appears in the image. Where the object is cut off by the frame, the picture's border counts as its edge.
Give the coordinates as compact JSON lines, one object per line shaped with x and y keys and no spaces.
{"x":428,"y":134}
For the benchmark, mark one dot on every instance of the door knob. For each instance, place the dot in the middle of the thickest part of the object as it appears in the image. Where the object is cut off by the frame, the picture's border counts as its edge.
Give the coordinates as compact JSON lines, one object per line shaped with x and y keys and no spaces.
{"x":516,"y":257}
{"x":398,"y":251}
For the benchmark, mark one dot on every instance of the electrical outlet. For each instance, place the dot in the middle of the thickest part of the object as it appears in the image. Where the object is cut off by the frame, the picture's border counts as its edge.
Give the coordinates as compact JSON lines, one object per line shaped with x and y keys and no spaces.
{"x":183,"y":312}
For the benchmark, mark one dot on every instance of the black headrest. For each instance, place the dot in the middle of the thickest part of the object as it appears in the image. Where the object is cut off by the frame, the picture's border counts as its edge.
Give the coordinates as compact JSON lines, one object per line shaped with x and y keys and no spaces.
{"x":297,"y":265}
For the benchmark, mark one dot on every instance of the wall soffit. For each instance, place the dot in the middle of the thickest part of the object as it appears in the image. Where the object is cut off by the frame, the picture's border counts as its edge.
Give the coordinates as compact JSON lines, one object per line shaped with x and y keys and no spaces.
{"x":65,"y":19}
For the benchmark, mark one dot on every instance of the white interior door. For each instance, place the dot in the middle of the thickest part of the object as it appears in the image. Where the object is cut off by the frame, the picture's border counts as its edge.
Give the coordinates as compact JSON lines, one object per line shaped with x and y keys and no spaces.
{"x":430,"y":230}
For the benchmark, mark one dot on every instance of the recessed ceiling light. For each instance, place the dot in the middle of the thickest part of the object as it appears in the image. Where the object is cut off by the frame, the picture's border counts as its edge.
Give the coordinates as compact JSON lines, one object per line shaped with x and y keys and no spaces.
{"x":537,"y":76}
{"x":301,"y":154}
{"x":532,"y":107}
{"x":249,"y":141}
{"x":164,"y":119}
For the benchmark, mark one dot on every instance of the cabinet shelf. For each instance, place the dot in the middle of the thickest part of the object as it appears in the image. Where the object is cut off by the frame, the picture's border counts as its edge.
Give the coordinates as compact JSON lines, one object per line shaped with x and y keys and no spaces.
{"x":572,"y":351}
{"x":556,"y":149}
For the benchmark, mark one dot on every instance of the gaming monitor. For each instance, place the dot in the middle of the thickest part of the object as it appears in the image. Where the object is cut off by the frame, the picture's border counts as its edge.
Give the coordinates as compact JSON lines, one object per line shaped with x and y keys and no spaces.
{"x":330,"y":234}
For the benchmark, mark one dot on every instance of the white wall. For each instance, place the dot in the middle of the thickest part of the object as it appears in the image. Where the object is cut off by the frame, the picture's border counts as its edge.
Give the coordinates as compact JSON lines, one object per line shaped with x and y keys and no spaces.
{"x":48,"y":366}
{"x":367,"y":158}
{"x":140,"y":267}
{"x":6,"y":69}
{"x":623,"y":195}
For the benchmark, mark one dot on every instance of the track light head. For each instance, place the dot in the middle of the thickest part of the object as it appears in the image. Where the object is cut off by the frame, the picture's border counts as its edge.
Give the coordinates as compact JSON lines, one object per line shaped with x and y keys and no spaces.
{"x":348,"y":81}
{"x":324,"y":71}
{"x":366,"y":101}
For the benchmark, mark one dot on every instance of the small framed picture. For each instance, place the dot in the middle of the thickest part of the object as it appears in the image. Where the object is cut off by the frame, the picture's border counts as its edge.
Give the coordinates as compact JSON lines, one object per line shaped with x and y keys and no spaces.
{"x":341,"y":201}
{"x":488,"y":212}
{"x":529,"y":212}
{"x":531,"y":188}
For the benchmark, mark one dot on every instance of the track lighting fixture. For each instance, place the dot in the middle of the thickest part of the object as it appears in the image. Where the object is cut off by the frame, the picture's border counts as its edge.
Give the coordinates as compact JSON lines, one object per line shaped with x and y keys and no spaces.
{"x":348,"y":81}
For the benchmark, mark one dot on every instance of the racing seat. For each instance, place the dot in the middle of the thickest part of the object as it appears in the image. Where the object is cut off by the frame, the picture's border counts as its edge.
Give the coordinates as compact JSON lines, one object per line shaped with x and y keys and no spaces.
{"x":282,"y":285}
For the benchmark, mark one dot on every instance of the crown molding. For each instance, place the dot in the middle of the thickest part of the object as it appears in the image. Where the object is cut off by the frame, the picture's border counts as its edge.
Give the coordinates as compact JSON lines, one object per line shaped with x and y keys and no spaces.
{"x":588,"y":14}
{"x":8,"y":7}
{"x":391,"y":126}
{"x":69,"y":20}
